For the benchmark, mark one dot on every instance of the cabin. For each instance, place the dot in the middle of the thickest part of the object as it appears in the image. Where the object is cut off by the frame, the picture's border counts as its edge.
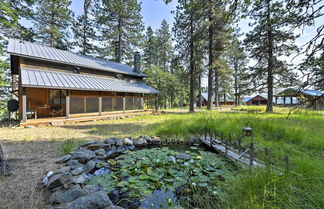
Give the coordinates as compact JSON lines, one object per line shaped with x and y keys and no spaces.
{"x":226,"y":99}
{"x":54,"y":83}
{"x":255,"y":100}
{"x":294,"y":96}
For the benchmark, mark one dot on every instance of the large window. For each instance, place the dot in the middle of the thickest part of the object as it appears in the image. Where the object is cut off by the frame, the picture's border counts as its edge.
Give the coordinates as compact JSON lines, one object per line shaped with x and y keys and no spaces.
{"x":57,"y":97}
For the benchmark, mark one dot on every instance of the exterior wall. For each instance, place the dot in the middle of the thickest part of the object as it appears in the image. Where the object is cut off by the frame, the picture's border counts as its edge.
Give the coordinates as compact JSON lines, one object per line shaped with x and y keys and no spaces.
{"x":257,"y":100}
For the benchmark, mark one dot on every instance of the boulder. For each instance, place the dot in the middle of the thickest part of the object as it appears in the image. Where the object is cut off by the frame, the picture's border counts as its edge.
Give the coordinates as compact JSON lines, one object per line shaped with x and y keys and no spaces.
{"x":100,"y":152}
{"x":96,"y":200}
{"x":88,"y":143}
{"x":127,"y":142}
{"x":81,"y":179}
{"x":94,"y":147}
{"x":68,"y":196}
{"x":58,"y":179}
{"x":183,"y":156}
{"x":114,"y":207}
{"x":83,"y":155}
{"x":77,"y":171}
{"x":140,"y":142}
{"x":156,"y":140}
{"x":114,"y":141}
{"x":64,"y":169}
{"x":91,"y":188}
{"x":148,"y":139}
{"x":63,"y":159}
{"x":90,"y":166}
{"x":74,"y":164}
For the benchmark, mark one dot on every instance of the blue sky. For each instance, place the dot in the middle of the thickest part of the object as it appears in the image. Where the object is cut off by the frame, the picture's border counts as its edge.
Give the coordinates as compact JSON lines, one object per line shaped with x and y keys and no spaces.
{"x":153,"y":11}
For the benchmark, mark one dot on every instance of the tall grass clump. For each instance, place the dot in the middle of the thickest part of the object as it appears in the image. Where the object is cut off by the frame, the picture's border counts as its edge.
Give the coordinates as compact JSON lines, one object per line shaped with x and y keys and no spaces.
{"x":69,"y":145}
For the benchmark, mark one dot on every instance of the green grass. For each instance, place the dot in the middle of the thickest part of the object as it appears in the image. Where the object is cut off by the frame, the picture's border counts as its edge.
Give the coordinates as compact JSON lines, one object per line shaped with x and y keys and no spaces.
{"x":301,"y":137}
{"x":69,"y":145}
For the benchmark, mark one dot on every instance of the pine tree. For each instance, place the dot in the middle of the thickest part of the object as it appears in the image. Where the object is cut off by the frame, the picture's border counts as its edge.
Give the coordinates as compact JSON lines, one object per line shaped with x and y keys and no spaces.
{"x":165,"y":48}
{"x":83,"y":30}
{"x":188,"y":31}
{"x":150,"y":47}
{"x":121,"y":27}
{"x":267,"y":42}
{"x":236,"y":60}
{"x":52,"y":20}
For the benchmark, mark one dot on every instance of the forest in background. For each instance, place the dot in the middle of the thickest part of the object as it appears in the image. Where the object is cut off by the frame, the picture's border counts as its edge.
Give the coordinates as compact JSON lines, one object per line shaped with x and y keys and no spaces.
{"x":204,"y":42}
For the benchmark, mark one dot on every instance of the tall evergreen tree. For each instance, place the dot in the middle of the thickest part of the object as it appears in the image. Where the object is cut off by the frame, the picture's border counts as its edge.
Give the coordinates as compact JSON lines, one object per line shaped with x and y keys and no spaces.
{"x":121,"y":27}
{"x":269,"y":40}
{"x":83,"y":30}
{"x":187,"y":28}
{"x":165,"y":48}
{"x":150,"y":48}
{"x":52,"y":20}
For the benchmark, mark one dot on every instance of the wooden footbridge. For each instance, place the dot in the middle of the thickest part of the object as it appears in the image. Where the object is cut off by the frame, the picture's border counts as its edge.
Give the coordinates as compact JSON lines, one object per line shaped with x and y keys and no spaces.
{"x":245,"y":158}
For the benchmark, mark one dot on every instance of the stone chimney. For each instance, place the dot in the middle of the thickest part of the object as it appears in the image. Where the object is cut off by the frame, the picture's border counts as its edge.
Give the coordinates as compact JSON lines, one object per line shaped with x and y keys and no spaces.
{"x":137,"y":62}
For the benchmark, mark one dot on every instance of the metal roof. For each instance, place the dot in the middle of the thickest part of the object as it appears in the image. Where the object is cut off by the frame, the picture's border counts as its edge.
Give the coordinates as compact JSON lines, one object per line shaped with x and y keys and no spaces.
{"x":46,"y":53}
{"x":59,"y":80}
{"x":298,"y":91}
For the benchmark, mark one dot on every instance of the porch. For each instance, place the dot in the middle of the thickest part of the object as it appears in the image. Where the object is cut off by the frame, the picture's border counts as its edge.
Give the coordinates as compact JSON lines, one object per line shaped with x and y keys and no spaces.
{"x":77,"y":118}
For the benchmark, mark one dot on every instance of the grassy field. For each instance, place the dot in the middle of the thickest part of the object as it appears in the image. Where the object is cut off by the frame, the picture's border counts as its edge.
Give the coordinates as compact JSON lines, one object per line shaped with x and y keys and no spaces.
{"x":301,"y":138}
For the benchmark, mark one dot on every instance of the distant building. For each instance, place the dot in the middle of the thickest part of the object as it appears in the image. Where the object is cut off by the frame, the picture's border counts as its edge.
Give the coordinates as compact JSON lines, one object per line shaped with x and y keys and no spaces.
{"x":314,"y":98}
{"x":255,"y":100}
{"x":204,"y":99}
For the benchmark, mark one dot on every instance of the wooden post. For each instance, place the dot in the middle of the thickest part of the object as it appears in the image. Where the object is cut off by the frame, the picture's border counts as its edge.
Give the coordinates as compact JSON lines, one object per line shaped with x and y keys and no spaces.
{"x":124,"y":103}
{"x":24,"y":105}
{"x":284,"y":100}
{"x":291,"y":100}
{"x":142,"y":101}
{"x":251,"y":154}
{"x":276,"y":98}
{"x":100,"y":104}
{"x":67,"y":104}
{"x":267,"y":156}
{"x":226,"y":146}
{"x":239,"y":145}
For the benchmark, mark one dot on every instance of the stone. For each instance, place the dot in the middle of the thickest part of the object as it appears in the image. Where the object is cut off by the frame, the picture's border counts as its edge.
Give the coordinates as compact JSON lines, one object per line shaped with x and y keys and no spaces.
{"x":114,"y":207}
{"x":148,"y":139}
{"x":100,"y":152}
{"x":172,"y":159}
{"x":58,"y":179}
{"x":94,"y":147}
{"x":128,"y":142}
{"x":68,"y":196}
{"x":81,"y":179}
{"x":102,"y":171}
{"x":90,"y":165}
{"x":114,"y":141}
{"x":83,"y":155}
{"x":156,"y":140}
{"x":64,"y":169}
{"x":77,"y":171}
{"x":96,"y":200}
{"x":74,"y":164}
{"x":183,"y":156}
{"x":88,"y":143}
{"x":140,"y":142}
{"x":91,"y":188}
{"x":63,"y":159}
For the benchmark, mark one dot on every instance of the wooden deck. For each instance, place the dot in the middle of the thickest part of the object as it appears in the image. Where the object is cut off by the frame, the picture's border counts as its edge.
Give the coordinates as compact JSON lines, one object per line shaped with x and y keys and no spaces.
{"x":75,"y":118}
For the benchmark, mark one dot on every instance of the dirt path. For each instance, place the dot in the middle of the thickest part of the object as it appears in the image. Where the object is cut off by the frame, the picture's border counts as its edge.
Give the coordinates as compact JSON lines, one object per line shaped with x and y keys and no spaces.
{"x":30,"y":160}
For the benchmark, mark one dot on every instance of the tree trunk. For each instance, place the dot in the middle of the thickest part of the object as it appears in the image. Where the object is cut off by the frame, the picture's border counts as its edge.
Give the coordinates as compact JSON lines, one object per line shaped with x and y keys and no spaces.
{"x":270,"y":60}
{"x":200,"y":97}
{"x":192,"y":79}
{"x":216,"y":88}
{"x":210,"y":62}
{"x":236,"y":83}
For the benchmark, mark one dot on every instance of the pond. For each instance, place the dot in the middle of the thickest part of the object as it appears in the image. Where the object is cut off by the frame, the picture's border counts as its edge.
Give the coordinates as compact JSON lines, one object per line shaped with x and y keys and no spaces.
{"x":162,"y":177}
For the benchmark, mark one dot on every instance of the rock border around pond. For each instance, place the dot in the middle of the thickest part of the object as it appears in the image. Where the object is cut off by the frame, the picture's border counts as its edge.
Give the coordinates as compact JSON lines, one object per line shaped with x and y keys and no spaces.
{"x":67,"y":186}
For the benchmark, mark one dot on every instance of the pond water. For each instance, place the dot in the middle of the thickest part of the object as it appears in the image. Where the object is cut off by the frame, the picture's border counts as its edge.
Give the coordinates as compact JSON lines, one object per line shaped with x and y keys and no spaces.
{"x":162,"y":177}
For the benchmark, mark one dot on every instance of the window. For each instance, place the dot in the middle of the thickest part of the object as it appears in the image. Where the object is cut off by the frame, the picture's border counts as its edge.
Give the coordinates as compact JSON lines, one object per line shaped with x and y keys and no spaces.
{"x":77,"y":105}
{"x":57,"y":97}
{"x":92,"y":104}
{"x":107,"y":104}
